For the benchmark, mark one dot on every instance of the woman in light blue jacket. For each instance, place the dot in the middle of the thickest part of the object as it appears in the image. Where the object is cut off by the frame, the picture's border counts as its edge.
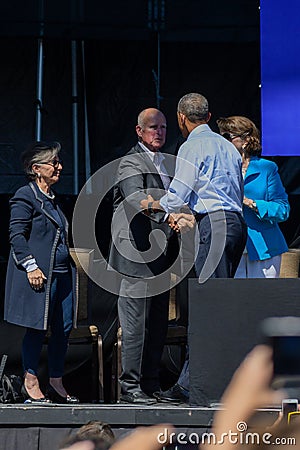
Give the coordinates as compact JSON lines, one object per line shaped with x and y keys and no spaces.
{"x":265,"y":201}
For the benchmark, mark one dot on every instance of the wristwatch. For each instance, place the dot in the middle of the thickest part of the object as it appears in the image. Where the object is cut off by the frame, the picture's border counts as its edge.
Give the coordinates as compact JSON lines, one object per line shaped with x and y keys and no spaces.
{"x":254,"y":206}
{"x":149,"y":207}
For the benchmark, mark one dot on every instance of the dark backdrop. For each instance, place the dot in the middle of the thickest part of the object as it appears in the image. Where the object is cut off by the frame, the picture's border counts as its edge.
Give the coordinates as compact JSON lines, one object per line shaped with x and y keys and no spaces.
{"x":120,"y":83}
{"x":210,"y":47}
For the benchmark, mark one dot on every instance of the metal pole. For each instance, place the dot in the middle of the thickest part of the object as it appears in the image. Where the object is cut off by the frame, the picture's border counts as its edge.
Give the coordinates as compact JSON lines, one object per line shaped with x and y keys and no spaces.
{"x":86,"y":128}
{"x":158,"y":97}
{"x":160,"y":26}
{"x":40,"y":70}
{"x":39,"y":91}
{"x":75,"y":116}
{"x":156,"y":22}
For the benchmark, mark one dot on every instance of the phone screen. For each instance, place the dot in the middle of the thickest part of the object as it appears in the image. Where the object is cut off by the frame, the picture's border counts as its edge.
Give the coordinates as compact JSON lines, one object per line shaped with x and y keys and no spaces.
{"x":288,"y":406}
{"x":286,"y":355}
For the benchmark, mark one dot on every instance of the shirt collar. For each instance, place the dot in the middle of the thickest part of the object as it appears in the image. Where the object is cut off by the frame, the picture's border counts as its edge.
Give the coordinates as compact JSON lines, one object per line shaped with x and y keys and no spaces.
{"x":198,"y":129}
{"x":160,"y":156}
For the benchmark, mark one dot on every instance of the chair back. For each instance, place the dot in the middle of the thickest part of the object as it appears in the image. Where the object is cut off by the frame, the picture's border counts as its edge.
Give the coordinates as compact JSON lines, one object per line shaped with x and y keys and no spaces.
{"x":83,"y":259}
{"x":290,"y":263}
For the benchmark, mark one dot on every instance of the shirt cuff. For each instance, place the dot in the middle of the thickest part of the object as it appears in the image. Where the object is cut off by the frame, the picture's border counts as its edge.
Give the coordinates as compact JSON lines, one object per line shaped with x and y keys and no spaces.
{"x":30,"y":265}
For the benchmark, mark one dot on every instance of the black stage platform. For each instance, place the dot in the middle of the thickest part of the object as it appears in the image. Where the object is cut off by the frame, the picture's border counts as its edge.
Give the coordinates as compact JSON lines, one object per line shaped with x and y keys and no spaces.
{"x":44,"y":427}
{"x":225,"y":317}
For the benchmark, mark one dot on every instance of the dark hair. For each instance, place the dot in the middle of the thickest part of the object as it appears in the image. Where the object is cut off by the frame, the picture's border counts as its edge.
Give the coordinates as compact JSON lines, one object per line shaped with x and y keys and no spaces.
{"x":244,"y":128}
{"x":194,"y":106}
{"x":100,"y":433}
{"x":98,"y":429}
{"x":36,"y":153}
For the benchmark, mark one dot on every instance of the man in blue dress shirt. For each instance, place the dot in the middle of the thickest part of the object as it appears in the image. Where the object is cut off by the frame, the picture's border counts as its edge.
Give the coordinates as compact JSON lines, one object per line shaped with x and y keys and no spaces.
{"x":208,"y":180}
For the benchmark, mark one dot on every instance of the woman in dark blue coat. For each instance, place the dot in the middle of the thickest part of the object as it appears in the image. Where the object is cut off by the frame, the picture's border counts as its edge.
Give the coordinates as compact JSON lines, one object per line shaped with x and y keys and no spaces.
{"x":40,"y":293}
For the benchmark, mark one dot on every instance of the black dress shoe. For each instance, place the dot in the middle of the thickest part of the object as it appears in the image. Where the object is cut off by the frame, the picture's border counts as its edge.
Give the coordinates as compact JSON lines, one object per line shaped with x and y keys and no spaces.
{"x":33,"y":401}
{"x":175,"y":394}
{"x":138,"y":398}
{"x":55,"y":397}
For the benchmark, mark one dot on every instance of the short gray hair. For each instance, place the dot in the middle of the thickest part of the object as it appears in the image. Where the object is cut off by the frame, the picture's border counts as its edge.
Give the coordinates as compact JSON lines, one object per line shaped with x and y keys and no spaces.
{"x":36,"y":153}
{"x":194,"y":106}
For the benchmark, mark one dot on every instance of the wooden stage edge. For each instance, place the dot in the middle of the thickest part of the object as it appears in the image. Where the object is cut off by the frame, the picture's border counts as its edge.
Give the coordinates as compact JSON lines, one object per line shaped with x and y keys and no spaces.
{"x":117,"y":415}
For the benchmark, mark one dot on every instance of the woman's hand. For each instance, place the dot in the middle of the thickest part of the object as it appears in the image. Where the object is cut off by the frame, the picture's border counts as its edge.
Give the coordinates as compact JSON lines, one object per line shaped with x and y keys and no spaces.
{"x":36,"y":279}
{"x":250,"y":203}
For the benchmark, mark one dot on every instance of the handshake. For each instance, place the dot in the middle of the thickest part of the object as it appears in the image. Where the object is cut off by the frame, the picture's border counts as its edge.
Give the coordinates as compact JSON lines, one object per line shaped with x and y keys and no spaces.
{"x":180,"y":222}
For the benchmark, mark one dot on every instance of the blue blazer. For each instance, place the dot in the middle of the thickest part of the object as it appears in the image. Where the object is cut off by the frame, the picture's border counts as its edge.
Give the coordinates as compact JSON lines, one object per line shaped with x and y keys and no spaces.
{"x":34,"y":232}
{"x":263,"y":185}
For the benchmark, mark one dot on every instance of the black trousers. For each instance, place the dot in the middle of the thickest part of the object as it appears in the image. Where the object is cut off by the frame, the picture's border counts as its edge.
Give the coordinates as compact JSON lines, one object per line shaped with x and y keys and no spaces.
{"x":218,"y":259}
{"x":144,"y":323}
{"x":222,"y":239}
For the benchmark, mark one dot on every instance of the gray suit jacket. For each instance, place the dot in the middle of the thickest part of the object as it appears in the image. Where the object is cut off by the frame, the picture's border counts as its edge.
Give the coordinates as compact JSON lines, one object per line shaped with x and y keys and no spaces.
{"x":131,"y":252}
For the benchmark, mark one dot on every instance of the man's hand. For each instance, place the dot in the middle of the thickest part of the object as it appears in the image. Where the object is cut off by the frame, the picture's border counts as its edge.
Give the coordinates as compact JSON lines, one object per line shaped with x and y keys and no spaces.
{"x":181,"y":222}
{"x":155,"y":205}
{"x":144,"y":204}
{"x":185,"y":222}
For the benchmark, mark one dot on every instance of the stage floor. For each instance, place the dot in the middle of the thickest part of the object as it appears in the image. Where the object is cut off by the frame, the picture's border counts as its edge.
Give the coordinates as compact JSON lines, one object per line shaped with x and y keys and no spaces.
{"x":115,"y":414}
{"x":123,"y":415}
{"x":25,"y":426}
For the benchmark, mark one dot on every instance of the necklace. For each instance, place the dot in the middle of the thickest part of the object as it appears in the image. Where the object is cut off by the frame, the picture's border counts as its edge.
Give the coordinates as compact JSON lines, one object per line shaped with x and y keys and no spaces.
{"x":245,"y":166}
{"x":51,"y":196}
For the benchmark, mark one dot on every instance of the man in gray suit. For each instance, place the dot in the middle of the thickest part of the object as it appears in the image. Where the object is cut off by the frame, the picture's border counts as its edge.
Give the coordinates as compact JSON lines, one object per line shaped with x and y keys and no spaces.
{"x":143,"y":318}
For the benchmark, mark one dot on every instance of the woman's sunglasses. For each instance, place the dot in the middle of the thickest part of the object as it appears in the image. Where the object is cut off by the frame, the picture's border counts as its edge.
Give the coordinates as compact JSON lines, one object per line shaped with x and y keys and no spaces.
{"x":54,"y":163}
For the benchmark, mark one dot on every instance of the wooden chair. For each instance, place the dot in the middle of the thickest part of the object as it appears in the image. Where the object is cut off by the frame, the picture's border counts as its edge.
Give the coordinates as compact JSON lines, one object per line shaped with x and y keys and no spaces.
{"x":116,"y":368}
{"x":177,"y":334}
{"x":290,"y":263}
{"x":87,"y":334}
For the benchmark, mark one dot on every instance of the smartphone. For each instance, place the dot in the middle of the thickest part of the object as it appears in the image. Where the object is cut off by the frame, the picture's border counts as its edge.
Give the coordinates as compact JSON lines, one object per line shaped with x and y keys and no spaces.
{"x":289,"y":405}
{"x":283,"y":335}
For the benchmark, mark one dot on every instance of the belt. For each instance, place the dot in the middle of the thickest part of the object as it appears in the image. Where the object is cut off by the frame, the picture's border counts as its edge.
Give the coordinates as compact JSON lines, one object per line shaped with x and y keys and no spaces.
{"x":199,"y":216}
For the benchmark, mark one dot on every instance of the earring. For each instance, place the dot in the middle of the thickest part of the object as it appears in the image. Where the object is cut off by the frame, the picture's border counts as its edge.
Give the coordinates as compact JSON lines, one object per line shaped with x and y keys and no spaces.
{"x":38,"y":175}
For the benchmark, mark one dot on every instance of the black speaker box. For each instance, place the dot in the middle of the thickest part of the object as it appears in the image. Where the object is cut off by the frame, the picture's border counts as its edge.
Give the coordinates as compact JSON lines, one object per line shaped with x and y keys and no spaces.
{"x":224,"y":322}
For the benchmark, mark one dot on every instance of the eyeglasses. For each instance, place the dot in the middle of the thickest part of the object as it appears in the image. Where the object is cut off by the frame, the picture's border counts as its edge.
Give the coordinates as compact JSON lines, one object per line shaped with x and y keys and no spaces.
{"x":54,"y":163}
{"x":230,"y":137}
